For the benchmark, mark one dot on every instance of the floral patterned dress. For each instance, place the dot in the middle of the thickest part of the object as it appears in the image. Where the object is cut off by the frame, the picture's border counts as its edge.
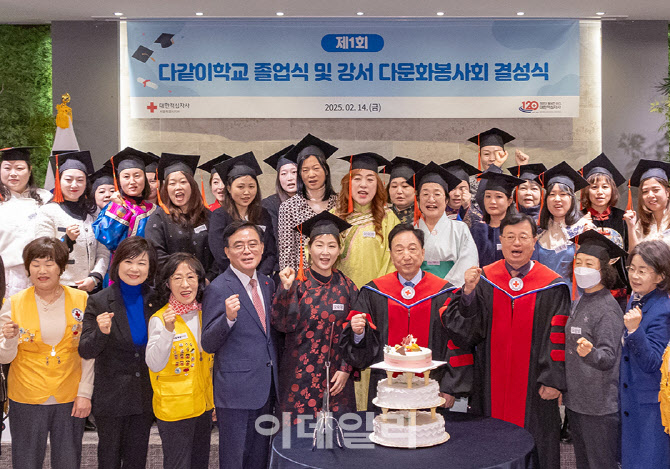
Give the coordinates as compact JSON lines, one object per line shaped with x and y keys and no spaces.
{"x":305,"y":313}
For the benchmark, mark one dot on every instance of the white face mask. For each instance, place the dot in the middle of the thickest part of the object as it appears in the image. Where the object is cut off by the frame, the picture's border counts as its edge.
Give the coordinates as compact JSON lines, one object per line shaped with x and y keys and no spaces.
{"x":587,"y":277}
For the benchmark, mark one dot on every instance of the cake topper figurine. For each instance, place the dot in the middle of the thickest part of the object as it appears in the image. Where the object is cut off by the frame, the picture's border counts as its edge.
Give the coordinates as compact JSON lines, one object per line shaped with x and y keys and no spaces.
{"x":326,"y":424}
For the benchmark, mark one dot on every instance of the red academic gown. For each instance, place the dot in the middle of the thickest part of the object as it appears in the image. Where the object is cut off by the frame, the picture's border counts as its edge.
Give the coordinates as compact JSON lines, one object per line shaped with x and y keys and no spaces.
{"x":520,"y":342}
{"x":392,"y":317}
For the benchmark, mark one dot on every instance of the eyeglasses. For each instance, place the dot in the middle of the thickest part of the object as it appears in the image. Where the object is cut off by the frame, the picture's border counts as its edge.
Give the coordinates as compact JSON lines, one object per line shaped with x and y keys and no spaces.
{"x":523,"y":239}
{"x":241,"y":247}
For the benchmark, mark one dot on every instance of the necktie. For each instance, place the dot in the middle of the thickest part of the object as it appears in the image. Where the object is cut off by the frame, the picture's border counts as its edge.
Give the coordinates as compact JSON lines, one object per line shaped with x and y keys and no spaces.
{"x":258,"y":304}
{"x":409,"y":284}
{"x":514,"y":273}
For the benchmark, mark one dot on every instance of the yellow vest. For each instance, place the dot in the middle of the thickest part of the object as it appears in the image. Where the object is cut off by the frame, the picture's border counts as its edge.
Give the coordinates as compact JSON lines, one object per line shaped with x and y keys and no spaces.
{"x":183,"y":389}
{"x":40,"y":370}
{"x":664,"y":393}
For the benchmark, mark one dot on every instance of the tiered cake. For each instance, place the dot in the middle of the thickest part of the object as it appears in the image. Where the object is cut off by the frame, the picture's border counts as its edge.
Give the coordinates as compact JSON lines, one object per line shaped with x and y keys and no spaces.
{"x":406,"y":425}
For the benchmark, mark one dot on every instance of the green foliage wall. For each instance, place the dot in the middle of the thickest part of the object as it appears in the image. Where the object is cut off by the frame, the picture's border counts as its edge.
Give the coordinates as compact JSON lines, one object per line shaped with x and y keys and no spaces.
{"x":26,"y":110}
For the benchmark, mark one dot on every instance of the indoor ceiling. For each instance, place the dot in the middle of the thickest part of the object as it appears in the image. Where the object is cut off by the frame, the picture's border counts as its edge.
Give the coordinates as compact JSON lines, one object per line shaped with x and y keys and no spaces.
{"x":42,"y":11}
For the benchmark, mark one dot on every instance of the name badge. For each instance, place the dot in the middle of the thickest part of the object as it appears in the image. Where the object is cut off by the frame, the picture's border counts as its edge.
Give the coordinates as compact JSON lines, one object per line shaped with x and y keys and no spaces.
{"x":499,"y":247}
{"x":561,"y":248}
{"x":576,"y":330}
{"x":369,"y":234}
{"x":200,"y":229}
{"x":338,"y":307}
{"x":31,"y":216}
{"x":433,"y":262}
{"x":179,"y":337}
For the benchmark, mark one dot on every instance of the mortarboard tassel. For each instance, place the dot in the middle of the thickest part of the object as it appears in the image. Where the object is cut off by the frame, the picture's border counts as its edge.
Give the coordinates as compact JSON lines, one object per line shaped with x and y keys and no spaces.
{"x":516,"y":190}
{"x":301,"y":269}
{"x":479,"y":154}
{"x":417,"y":212}
{"x":541,"y":178}
{"x":629,"y":205}
{"x":116,"y":184}
{"x":581,"y":205}
{"x":158,"y":194}
{"x":574,"y":279}
{"x":58,"y":194}
{"x":202,"y":192}
{"x":350,"y":206}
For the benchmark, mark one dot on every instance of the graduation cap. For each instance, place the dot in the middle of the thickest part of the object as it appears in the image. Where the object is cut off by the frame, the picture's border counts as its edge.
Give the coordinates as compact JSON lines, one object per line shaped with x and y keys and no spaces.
{"x":208,"y":166}
{"x":101,"y":177}
{"x":646,"y":169}
{"x":153,"y":166}
{"x":16,"y":154}
{"x":562,"y":173}
{"x":367,"y":160}
{"x":130,"y":158}
{"x":172,"y":162}
{"x":142,"y":54}
{"x":165,"y":40}
{"x":527,"y":172}
{"x":601,"y":164}
{"x":492,"y":137}
{"x":323,"y":223}
{"x":501,"y":182}
{"x":80,"y":160}
{"x":279,"y":159}
{"x":594,"y":243}
{"x":310,"y":145}
{"x":433,"y":172}
{"x":400,"y":167}
{"x":242,"y":165}
{"x":461,"y":169}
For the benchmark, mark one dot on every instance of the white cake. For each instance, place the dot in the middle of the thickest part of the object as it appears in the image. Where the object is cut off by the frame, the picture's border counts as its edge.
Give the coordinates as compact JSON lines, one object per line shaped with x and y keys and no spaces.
{"x":396,"y":429}
{"x":397,"y":395}
{"x":419,"y":358}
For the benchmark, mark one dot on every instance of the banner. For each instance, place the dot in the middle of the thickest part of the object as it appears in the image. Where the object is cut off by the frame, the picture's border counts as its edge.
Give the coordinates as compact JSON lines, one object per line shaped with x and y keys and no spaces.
{"x":316,"y":68}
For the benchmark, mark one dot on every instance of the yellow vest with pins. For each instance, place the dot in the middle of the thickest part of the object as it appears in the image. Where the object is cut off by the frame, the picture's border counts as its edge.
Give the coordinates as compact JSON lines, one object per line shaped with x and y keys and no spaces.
{"x":40,"y":370}
{"x":183,"y":389}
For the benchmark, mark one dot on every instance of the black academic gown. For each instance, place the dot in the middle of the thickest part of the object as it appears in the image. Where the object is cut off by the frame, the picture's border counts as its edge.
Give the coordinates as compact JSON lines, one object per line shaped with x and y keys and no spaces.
{"x":390,"y":320}
{"x":519,"y":347}
{"x":487,"y":240}
{"x":169,"y":237}
{"x":218,"y":222}
{"x":606,"y":225}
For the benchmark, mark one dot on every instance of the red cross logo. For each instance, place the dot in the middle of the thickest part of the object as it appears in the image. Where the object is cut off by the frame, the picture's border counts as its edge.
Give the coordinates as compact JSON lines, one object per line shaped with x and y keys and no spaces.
{"x":516,"y":284}
{"x":152,"y":107}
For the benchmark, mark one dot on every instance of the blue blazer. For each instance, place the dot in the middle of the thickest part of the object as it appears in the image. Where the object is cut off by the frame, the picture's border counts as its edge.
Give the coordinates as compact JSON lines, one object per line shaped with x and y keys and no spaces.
{"x":245,"y":357}
{"x":644,"y":443}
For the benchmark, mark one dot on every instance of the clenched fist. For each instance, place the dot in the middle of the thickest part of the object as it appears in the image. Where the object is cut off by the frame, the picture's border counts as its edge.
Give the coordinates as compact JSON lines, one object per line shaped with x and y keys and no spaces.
{"x":72,"y":232}
{"x":584,"y":347}
{"x":472,"y":276}
{"x":500,"y":158}
{"x":105,"y":322}
{"x":10,"y":330}
{"x":358,"y":323}
{"x":232,"y":307}
{"x":287,"y":276}
{"x":632,"y":319}
{"x":521,"y":157}
{"x":169,"y":317}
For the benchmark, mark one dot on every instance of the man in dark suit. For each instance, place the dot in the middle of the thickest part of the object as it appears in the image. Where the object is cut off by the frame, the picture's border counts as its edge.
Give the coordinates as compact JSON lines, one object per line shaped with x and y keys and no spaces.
{"x":236,"y":329}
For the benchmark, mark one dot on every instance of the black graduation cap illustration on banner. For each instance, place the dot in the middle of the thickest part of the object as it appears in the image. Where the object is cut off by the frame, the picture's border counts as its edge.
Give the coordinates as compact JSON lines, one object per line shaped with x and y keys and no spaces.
{"x":165,"y":40}
{"x":143,"y":54}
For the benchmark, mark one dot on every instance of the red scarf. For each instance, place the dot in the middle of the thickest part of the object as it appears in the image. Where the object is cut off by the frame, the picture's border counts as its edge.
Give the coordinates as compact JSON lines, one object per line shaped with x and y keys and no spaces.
{"x":595,"y":215}
{"x":181,"y":308}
